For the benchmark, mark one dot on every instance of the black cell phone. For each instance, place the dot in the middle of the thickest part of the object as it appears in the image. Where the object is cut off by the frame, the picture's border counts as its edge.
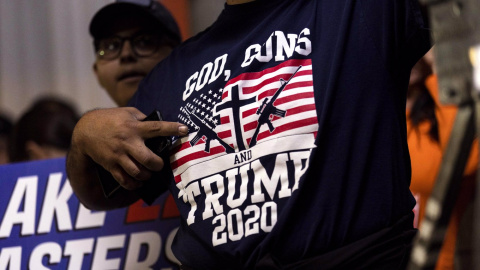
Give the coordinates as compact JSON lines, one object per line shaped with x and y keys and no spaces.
{"x":158,"y":145}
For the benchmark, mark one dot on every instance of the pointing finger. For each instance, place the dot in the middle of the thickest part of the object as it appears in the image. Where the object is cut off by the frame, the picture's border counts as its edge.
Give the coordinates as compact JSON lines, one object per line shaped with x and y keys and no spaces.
{"x":163,"y":128}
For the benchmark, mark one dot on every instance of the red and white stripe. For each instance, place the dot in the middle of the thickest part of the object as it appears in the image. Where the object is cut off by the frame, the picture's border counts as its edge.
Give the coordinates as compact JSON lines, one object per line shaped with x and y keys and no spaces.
{"x":297,"y":99}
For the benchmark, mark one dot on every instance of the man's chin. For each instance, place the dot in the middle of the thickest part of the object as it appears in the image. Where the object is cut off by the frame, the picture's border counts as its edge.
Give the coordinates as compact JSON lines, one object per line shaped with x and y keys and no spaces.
{"x":124,"y":94}
{"x":132,"y":80}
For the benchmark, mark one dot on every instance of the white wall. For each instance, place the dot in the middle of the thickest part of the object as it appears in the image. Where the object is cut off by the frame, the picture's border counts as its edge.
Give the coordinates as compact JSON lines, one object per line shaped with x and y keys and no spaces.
{"x":45,"y":48}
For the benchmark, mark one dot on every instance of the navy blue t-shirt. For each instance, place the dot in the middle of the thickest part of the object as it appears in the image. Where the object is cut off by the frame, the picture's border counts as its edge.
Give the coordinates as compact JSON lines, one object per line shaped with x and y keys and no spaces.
{"x":297,"y":142}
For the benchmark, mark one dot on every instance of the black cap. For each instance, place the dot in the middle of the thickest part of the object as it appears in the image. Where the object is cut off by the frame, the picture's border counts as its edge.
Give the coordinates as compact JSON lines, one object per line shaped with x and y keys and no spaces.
{"x":151,"y":9}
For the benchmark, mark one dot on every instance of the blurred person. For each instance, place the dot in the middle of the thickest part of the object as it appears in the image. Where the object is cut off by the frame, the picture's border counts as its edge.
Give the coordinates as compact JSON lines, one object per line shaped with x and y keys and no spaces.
{"x":5,"y":129}
{"x":130,"y":38}
{"x":429,"y":125}
{"x":43,"y":131}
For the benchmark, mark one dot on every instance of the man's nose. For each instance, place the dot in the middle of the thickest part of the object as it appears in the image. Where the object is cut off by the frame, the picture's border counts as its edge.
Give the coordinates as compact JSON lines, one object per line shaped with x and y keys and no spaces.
{"x":127,"y":50}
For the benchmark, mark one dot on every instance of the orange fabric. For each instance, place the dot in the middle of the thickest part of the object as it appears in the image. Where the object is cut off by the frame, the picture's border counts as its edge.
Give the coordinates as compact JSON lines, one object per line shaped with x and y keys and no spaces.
{"x":180,"y":10}
{"x":426,"y":156}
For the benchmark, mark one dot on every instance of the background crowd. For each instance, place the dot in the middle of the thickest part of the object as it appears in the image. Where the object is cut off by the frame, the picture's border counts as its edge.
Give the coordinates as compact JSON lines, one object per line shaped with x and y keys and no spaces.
{"x":67,"y":78}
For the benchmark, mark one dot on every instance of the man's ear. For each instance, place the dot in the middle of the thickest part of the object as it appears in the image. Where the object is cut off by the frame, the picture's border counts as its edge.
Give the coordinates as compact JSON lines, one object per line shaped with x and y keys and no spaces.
{"x":95,"y":71}
{"x":95,"y":68}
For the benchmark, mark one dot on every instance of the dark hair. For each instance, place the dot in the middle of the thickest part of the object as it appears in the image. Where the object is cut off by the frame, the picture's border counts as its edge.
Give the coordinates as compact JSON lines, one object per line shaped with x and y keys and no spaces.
{"x":48,"y":122}
{"x":423,"y":107}
{"x":5,"y":125}
{"x":5,"y":130}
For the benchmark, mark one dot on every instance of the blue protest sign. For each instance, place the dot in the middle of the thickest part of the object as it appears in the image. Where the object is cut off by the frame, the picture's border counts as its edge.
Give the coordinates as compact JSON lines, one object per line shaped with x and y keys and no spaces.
{"x":43,"y":225}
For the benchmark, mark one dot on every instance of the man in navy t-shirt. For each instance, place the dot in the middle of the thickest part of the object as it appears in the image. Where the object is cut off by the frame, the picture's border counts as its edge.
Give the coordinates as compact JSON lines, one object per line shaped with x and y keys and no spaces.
{"x":287,"y":120}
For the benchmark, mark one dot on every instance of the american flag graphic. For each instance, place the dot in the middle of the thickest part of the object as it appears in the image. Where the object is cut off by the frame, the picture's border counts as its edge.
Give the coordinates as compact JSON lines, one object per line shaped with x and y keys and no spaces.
{"x":229,"y":120}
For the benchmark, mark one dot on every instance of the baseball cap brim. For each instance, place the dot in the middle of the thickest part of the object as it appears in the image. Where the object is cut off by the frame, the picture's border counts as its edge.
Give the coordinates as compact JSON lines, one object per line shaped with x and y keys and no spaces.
{"x":103,"y":20}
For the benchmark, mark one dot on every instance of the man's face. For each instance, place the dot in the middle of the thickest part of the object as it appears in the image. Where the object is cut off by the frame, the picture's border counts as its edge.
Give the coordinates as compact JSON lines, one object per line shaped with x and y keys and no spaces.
{"x":121,"y":76}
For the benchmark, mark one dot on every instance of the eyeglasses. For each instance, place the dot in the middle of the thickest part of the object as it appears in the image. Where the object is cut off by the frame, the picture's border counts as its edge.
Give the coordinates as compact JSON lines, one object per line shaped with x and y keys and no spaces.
{"x":143,"y":45}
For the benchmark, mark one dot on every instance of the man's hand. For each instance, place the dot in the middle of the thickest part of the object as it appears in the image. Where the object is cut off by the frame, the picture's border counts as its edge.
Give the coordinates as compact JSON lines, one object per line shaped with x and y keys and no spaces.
{"x":115,"y":139}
